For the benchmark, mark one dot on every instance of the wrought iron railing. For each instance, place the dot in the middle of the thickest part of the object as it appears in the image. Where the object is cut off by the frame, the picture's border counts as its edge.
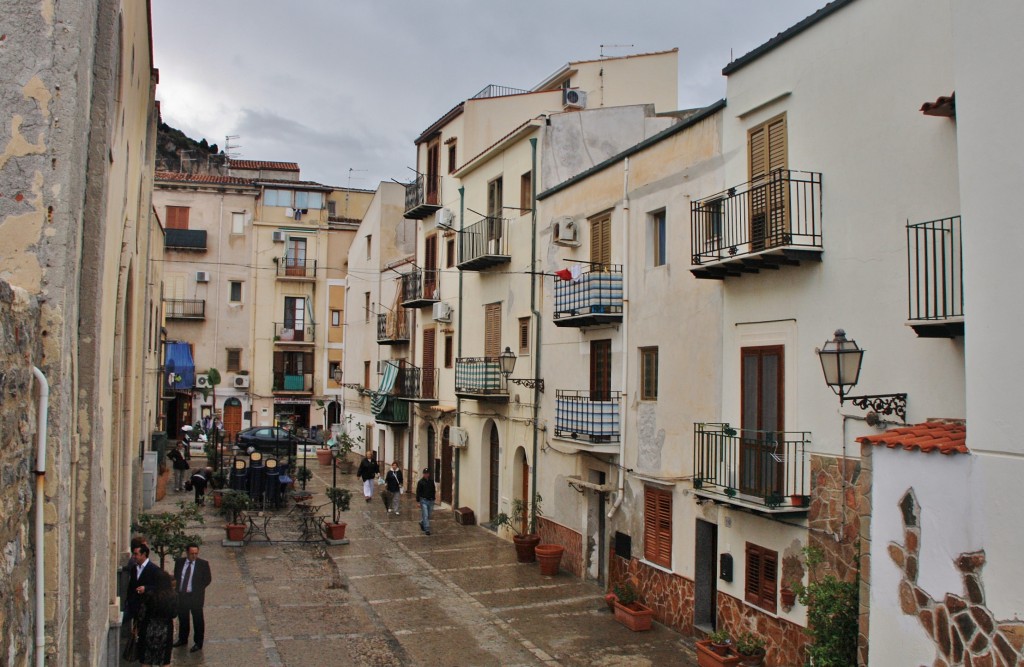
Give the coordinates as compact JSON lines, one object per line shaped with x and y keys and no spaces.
{"x":935,"y":279}
{"x":762,"y":467}
{"x":488,"y":237}
{"x":293,"y":382}
{"x":413,"y":382}
{"x":493,"y":90}
{"x":185,"y":239}
{"x":423,"y":191}
{"x":782,"y":209}
{"x":294,"y":332}
{"x":598,"y":291}
{"x":185,"y":309}
{"x":421,"y":285}
{"x":479,"y":375}
{"x":587,"y":415}
{"x":393,"y":412}
{"x":290,"y":267}
{"x":393,"y":327}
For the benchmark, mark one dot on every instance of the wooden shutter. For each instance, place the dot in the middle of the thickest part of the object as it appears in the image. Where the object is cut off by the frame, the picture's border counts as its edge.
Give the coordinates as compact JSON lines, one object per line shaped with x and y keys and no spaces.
{"x":492,"y":330}
{"x":177,"y":217}
{"x":767,"y":147}
{"x":495,"y":195}
{"x":658,"y":526}
{"x":600,"y":370}
{"x":429,"y":345}
{"x":769,"y":196}
{"x":761,"y":580}
{"x":279,"y":362}
{"x":307,"y":363}
{"x":601,"y":242}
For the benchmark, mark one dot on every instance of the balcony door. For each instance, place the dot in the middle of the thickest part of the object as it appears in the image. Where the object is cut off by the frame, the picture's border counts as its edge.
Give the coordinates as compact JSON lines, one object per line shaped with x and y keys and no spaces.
{"x":295,"y":257}
{"x":495,"y":207}
{"x":601,"y":370}
{"x":761,"y":445}
{"x":430,"y":267}
{"x":433,"y":185}
{"x":429,"y":369}
{"x":294,"y":318}
{"x":768,"y":155}
{"x":494,"y":473}
{"x":447,"y":473}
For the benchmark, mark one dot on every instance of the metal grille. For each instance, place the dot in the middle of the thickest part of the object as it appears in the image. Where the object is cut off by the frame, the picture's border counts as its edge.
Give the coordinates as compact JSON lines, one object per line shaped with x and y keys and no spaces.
{"x":935,"y":282}
{"x":597,"y":291}
{"x":579,"y":416}
{"x":478,"y":375}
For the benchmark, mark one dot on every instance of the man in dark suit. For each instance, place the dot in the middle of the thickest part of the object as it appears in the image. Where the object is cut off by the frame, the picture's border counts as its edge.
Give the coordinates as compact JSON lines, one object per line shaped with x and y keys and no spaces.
{"x":191,"y":576}
{"x":141,"y":577}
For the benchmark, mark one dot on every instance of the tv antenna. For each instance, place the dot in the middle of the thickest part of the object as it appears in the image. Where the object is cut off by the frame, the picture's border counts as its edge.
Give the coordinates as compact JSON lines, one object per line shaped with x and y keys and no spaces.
{"x":613,"y":46}
{"x":348,"y":188}
{"x":230,"y":150}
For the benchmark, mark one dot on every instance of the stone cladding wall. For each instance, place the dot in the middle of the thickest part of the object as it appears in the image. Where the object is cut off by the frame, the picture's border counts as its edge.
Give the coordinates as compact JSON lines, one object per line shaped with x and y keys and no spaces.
{"x":555,"y":533}
{"x":784,"y":641}
{"x":667,"y":593}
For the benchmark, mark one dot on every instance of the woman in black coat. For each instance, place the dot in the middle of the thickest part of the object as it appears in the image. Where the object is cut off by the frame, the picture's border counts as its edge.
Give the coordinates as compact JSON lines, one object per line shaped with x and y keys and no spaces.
{"x":156,"y":622}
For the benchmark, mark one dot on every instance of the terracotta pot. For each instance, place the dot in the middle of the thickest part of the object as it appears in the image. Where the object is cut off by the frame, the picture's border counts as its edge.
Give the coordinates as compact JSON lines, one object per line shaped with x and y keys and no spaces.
{"x":707,"y":656}
{"x":549,"y":556}
{"x":610,"y":599}
{"x":335,"y":531}
{"x":324,"y":457}
{"x":635,"y":616}
{"x":235,"y":531}
{"x":787,"y":597}
{"x":756,"y":660}
{"x":218,"y":498}
{"x":525,"y":547}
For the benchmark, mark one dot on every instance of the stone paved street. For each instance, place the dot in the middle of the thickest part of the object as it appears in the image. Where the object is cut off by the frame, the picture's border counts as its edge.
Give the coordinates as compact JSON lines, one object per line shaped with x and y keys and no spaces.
{"x":394,"y":596}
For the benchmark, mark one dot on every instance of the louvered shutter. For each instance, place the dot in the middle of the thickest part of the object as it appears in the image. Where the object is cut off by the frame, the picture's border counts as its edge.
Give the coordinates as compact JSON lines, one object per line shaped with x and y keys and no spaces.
{"x":752,"y":584}
{"x":600,"y":243}
{"x":769,"y":577}
{"x":429,"y":345}
{"x":761,"y":585}
{"x":492,"y":330}
{"x":658,"y":526}
{"x":279,"y":362}
{"x":307,"y":363}
{"x":177,"y":217}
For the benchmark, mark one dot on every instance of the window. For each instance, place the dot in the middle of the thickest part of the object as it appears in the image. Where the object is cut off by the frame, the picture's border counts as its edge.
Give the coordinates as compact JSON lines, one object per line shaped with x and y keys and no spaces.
{"x":711,"y":217}
{"x":494,"y":198}
{"x":761,"y":577}
{"x":335,"y":318}
{"x":434,"y":171}
{"x":309,"y":200}
{"x":332,"y":209}
{"x":235,"y":291}
{"x":761,"y":417}
{"x":450,"y":252}
{"x":366,"y":375}
{"x":366,"y":306}
{"x":449,"y":350}
{"x":658,"y":526}
{"x":525,"y":192}
{"x":277,"y":198}
{"x":332,"y":368}
{"x":600,"y":242}
{"x":648,"y":373}
{"x":452,"y":156}
{"x":524,"y":335}
{"x":492,"y":330}
{"x":295,"y":256}
{"x":369,"y":246}
{"x":237,"y":223}
{"x":291,"y":199}
{"x":234,"y":363}
{"x":177,"y":217}
{"x":656,"y":236}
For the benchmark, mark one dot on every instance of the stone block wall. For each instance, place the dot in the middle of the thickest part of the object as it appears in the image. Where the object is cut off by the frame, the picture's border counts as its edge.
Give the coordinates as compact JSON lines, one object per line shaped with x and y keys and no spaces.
{"x":784,"y":641}
{"x":667,"y":593}
{"x":19,"y":324}
{"x":555,"y":533}
{"x":839,"y":497}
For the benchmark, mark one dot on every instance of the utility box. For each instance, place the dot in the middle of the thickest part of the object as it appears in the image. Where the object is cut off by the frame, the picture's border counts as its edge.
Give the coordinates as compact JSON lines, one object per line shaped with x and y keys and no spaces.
{"x":464,"y":516}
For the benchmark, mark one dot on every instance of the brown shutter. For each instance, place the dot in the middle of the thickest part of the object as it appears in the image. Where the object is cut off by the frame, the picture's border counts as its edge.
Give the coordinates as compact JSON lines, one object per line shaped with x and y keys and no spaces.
{"x":307,"y":363}
{"x":177,"y":217}
{"x":752,"y":583}
{"x":769,"y":576}
{"x":600,"y":242}
{"x":279,"y":362}
{"x":429,"y":344}
{"x":492,"y":330}
{"x":430,"y":252}
{"x":600,"y":369}
{"x":757,"y":152}
{"x":650,"y":525}
{"x":761,"y":584}
{"x":658,"y":526}
{"x":776,"y":142}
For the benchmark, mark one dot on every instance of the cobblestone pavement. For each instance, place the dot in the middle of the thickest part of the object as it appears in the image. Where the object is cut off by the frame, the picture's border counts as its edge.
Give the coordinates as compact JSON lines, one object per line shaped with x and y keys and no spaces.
{"x":394,"y":596}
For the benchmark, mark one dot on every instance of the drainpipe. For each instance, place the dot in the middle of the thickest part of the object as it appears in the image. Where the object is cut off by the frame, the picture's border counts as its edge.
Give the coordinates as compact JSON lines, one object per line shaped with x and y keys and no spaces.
{"x":536,"y":322}
{"x":458,"y":354}
{"x":42,"y":417}
{"x":625,"y":337}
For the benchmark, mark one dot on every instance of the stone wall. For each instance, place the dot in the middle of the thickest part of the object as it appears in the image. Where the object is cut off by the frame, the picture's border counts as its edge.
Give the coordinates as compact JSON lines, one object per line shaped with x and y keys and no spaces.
{"x":784,"y":641}
{"x":19,"y":322}
{"x":667,"y":593}
{"x":555,"y":533}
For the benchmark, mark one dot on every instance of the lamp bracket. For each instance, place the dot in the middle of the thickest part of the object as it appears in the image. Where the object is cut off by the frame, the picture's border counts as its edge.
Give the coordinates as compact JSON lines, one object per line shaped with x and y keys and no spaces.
{"x":884,"y":404}
{"x":529,"y":383}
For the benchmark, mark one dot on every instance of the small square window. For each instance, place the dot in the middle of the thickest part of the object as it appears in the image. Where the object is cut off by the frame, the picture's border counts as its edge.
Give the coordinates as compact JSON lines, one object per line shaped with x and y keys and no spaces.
{"x":658,"y":526}
{"x":235,"y":291}
{"x":761,"y":580}
{"x":524,"y":335}
{"x":234,"y":362}
{"x":237,"y":223}
{"x":335,"y":318}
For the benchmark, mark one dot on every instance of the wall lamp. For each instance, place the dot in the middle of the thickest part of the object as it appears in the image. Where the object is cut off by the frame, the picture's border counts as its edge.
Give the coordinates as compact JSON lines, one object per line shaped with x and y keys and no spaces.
{"x":840,"y":362}
{"x":507,"y":363}
{"x":337,"y":374}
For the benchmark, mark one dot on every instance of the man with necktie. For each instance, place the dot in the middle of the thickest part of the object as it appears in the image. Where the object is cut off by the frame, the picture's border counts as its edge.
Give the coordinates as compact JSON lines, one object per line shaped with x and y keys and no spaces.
{"x":191,"y":576}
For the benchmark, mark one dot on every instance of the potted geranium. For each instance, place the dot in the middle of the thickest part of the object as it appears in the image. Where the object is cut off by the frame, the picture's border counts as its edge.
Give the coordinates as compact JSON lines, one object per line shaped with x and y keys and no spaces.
{"x":233,"y":504}
{"x":629,"y":610}
{"x":340,"y":500}
{"x":750,"y":648}
{"x":523,"y":525}
{"x":717,"y":651}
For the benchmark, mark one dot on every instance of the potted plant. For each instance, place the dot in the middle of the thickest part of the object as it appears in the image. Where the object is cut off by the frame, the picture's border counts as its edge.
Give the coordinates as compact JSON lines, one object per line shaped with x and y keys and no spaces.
{"x":550,"y":557}
{"x":788,"y":597}
{"x":717,"y":651}
{"x":720,"y":642}
{"x":832,"y":613}
{"x":166,"y":530}
{"x":523,"y":525}
{"x":340,"y":500}
{"x":629,"y":610}
{"x":303,"y":475}
{"x":797,"y":500}
{"x":750,"y":648}
{"x":219,"y":479}
{"x":233,"y":504}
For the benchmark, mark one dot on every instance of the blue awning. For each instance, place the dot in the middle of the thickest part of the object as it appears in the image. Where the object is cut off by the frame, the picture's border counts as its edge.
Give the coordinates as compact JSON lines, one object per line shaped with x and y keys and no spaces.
{"x":179,"y":369}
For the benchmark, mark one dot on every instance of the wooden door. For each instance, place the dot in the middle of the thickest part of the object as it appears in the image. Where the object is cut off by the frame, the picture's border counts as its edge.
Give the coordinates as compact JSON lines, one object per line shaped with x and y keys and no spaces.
{"x":762,"y":447}
{"x":601,"y":370}
{"x":495,"y":473}
{"x":295,"y":257}
{"x":232,"y":419}
{"x":429,"y":370}
{"x":524,"y":471}
{"x":447,"y":476}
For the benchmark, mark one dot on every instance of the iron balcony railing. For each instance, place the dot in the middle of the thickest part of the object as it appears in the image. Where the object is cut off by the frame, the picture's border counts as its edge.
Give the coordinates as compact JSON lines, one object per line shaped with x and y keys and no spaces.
{"x":480,"y":376}
{"x":422,"y":196}
{"x":294,"y":332}
{"x":393,"y":327}
{"x":421,"y":287}
{"x":587,"y":415}
{"x":393,"y":412}
{"x":598,"y":291}
{"x":484,"y":243}
{"x":935,"y":280}
{"x":493,"y":90}
{"x":761,"y":467}
{"x":782,"y":209}
{"x":185,"y":239}
{"x":185,"y":309}
{"x":412,"y":382}
{"x":291,"y":267}
{"x":288,"y":382}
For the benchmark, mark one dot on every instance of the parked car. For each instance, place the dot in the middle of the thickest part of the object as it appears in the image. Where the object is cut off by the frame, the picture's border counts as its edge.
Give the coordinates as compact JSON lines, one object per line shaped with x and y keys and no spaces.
{"x":269,"y":440}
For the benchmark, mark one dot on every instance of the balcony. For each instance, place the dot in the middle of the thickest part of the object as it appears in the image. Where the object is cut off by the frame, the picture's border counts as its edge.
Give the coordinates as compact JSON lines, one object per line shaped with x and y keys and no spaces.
{"x":589,"y":418}
{"x":393,"y":328}
{"x":394,"y":412}
{"x":290,"y":268}
{"x":415,"y":384}
{"x":185,"y":239}
{"x":287,"y":383}
{"x":480,"y":378}
{"x":484,"y":244}
{"x":935,"y":278}
{"x":421,"y":288}
{"x":422,"y":196}
{"x":593,"y":298}
{"x":764,"y":471}
{"x":294,"y":333}
{"x":185,"y":309}
{"x":761,"y":225}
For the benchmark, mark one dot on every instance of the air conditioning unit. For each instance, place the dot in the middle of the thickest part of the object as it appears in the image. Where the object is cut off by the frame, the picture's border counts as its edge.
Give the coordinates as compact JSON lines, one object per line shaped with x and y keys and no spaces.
{"x":574,"y":98}
{"x":442,"y":312}
{"x":241,"y":382}
{"x":203,"y":382}
{"x":460,"y":437}
{"x":444,"y":218}
{"x":202,"y":276}
{"x":565,"y":231}
{"x":280,"y":237}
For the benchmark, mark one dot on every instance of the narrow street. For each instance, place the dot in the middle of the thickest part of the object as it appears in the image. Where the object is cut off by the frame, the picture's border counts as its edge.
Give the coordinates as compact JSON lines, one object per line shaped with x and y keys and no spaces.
{"x":394,"y":596}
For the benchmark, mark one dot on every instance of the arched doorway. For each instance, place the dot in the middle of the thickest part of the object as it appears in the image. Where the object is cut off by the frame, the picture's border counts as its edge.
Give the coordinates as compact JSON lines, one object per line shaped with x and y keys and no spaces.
{"x":495,"y":472}
{"x":431,"y":451}
{"x":521,"y":484}
{"x":333,"y":414}
{"x":232,"y":418}
{"x":447,"y":477}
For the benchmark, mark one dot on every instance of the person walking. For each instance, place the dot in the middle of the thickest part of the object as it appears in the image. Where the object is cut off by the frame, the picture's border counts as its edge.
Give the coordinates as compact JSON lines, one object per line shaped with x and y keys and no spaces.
{"x":199,"y":479}
{"x":425,"y":494}
{"x":156,"y":621}
{"x":393,"y":480}
{"x":179,"y":457}
{"x":368,"y":472}
{"x":192,"y":576}
{"x":141,"y":577}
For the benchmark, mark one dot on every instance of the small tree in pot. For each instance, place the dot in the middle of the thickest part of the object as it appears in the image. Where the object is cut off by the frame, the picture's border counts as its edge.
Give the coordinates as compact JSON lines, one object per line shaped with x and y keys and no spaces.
{"x":166,"y":530}
{"x":233,"y":504}
{"x":340,"y":500}
{"x":523,"y":525}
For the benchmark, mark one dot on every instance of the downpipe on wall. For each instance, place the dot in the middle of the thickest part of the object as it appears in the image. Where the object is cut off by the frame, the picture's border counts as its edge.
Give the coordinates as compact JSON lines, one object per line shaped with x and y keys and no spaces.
{"x":42,"y":417}
{"x":625,"y":339}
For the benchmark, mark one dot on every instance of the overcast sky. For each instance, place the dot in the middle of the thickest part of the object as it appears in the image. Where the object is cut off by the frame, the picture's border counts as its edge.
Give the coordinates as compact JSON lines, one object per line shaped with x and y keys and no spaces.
{"x":344,"y":86}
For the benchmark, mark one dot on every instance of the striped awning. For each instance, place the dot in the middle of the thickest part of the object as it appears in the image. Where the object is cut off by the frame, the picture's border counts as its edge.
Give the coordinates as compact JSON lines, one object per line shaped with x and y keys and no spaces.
{"x":387,"y":383}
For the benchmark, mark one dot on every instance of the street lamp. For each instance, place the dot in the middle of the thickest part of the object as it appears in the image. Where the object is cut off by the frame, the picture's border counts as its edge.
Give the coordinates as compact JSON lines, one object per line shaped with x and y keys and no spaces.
{"x":507,"y":363}
{"x":841,"y":360}
{"x":337,"y":375}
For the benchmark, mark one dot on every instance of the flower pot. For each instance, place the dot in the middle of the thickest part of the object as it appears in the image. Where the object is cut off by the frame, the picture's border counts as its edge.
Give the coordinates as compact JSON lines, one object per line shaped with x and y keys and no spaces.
{"x":525,"y":547}
{"x":218,"y":498}
{"x":708,"y":656}
{"x":753,"y":660}
{"x":235,"y":531}
{"x":635,"y":616}
{"x":335,"y":531}
{"x":549,"y":556}
{"x":324,"y":457}
{"x":797,"y":500}
{"x":610,"y":599}
{"x":787,"y":597}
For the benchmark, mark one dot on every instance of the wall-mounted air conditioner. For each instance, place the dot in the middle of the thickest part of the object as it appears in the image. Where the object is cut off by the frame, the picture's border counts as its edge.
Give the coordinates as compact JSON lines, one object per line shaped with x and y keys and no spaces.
{"x":442,"y":312}
{"x":203,"y":382}
{"x":565,"y":231}
{"x":444,"y":218}
{"x":202,"y":276}
{"x":460,"y":437}
{"x":280,"y":237}
{"x":241,"y":382}
{"x":574,"y":98}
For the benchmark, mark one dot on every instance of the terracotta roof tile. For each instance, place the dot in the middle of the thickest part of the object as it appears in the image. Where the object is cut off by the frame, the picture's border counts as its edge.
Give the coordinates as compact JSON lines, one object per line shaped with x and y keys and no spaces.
{"x":200,"y":178}
{"x":263,"y":164}
{"x":944,"y":436}
{"x":944,"y":106}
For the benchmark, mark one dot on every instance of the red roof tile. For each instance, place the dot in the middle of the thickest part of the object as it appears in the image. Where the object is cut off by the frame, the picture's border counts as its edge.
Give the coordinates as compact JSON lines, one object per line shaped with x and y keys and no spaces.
{"x":944,"y":106}
{"x":200,"y":178}
{"x":947,"y":437}
{"x":262,"y":164}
